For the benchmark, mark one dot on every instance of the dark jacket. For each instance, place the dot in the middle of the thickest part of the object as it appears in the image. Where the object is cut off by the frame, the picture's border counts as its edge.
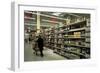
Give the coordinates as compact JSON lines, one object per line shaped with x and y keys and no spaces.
{"x":40,"y":42}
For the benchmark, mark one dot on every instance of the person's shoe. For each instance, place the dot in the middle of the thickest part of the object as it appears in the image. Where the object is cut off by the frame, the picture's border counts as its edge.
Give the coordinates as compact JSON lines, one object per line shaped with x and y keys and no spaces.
{"x":36,"y":54}
{"x":41,"y":55}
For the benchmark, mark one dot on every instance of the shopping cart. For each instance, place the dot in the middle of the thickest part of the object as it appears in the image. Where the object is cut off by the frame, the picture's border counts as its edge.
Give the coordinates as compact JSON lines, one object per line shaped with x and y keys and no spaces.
{"x":35,"y":49}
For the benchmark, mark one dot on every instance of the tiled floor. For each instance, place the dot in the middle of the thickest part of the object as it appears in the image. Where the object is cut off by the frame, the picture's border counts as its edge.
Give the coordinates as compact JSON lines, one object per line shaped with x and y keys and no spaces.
{"x":48,"y":54}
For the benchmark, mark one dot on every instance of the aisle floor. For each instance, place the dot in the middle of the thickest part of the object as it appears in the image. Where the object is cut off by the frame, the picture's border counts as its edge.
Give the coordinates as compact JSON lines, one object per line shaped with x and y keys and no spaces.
{"x":48,"y":54}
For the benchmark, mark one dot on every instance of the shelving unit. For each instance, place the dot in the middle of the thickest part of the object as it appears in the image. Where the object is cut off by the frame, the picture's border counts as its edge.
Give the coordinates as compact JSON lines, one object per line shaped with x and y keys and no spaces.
{"x":71,"y":41}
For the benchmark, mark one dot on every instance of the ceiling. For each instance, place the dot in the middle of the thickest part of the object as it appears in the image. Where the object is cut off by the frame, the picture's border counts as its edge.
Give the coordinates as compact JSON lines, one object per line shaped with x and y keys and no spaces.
{"x":48,"y":18}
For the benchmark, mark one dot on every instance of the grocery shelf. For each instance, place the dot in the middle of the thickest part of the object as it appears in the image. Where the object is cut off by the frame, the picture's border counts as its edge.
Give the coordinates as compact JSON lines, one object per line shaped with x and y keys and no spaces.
{"x":78,"y":29}
{"x":74,"y":38}
{"x":71,"y":33}
{"x":73,"y":45}
{"x":77,"y":23}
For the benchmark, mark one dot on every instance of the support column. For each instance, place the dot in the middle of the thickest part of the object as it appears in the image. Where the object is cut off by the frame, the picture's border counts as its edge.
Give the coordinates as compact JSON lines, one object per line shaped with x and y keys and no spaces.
{"x":38,"y":22}
{"x":67,"y":21}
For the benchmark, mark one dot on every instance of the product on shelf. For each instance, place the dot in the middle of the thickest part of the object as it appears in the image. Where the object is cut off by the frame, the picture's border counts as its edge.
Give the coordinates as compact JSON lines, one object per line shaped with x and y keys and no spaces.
{"x":77,"y":34}
{"x":70,"y":40}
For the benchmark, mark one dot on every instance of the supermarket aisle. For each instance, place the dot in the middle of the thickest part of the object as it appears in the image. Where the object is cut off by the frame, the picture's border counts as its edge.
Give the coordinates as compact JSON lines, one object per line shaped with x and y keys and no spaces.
{"x":48,"y":55}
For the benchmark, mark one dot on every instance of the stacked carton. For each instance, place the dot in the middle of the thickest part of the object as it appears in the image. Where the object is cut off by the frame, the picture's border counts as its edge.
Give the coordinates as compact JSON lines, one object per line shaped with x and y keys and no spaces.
{"x":77,"y":34}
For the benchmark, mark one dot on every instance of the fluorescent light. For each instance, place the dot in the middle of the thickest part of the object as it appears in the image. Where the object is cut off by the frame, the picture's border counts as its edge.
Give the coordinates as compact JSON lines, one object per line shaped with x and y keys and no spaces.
{"x":29,"y":18}
{"x":56,"y":14}
{"x":50,"y":21}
